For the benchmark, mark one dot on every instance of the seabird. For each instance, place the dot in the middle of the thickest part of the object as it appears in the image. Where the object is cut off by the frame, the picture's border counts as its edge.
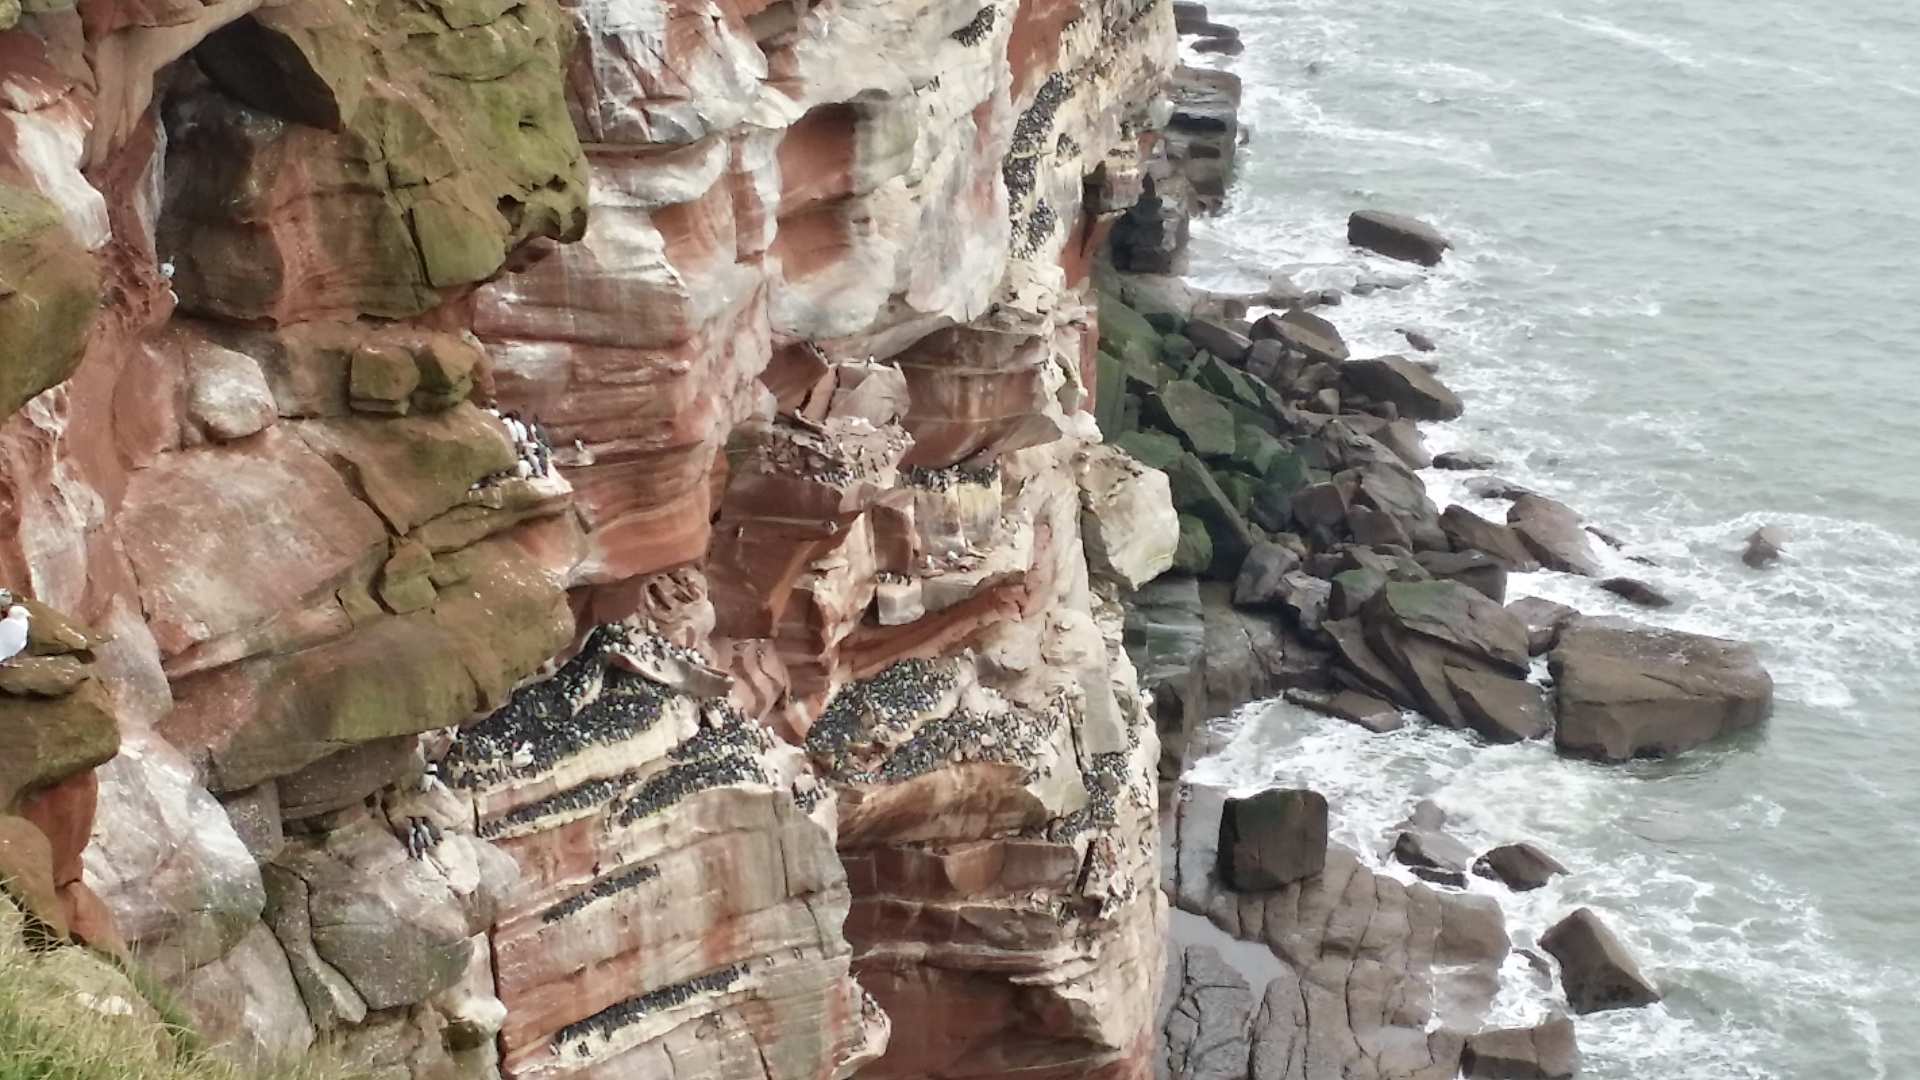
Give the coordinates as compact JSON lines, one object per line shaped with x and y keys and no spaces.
{"x":13,"y":632}
{"x":523,"y":756}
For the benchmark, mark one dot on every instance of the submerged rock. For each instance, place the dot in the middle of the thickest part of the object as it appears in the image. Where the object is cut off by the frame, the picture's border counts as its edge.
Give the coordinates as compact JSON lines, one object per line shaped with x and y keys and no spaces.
{"x":1596,"y":970}
{"x":1637,"y":591}
{"x":1464,"y":460}
{"x":1764,"y":546}
{"x":1551,"y":530}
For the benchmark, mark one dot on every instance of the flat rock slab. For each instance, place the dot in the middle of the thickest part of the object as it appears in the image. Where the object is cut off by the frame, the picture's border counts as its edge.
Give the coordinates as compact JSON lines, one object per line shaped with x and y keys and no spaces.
{"x":1500,"y":709}
{"x":1596,"y":970}
{"x":1543,"y":619}
{"x":1552,"y":532}
{"x":1204,"y":1019}
{"x":1411,"y":388}
{"x":1546,"y":1051}
{"x":1468,"y":531}
{"x":1397,"y":236}
{"x":1628,"y":690}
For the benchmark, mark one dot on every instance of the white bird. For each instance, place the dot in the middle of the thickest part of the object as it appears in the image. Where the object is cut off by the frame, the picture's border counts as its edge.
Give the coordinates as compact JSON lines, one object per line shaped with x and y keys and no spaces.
{"x":523,"y":756}
{"x":13,"y":632}
{"x":523,"y":469}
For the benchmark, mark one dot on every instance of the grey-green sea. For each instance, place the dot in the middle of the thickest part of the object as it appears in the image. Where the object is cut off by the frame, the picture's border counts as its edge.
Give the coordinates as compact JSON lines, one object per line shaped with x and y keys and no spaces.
{"x":1684,"y":299}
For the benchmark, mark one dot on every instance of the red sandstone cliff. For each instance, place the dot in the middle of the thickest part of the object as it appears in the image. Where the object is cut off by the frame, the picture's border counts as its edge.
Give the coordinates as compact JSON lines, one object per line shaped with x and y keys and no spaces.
{"x":854,"y":777}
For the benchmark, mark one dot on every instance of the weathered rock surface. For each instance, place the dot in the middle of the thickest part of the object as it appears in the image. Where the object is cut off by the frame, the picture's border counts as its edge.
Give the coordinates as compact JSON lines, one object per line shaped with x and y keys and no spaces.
{"x":1204,"y":1026}
{"x":1552,"y":531}
{"x":1543,"y":619}
{"x":1410,"y":387}
{"x":1764,"y":546}
{"x":1627,"y":690}
{"x":1596,"y":970}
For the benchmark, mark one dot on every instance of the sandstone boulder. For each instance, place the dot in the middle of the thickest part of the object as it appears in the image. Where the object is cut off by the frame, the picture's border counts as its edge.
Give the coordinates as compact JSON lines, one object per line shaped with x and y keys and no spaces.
{"x":1262,"y":578}
{"x":1219,"y":339}
{"x":1468,"y":531}
{"x":1501,"y":709}
{"x":1546,"y":1051}
{"x":1636,"y":591}
{"x":1551,"y":530}
{"x":1521,"y":867}
{"x":1596,"y":970}
{"x":1411,"y":389}
{"x":1126,"y":517}
{"x":1272,"y":839}
{"x":1543,"y":619}
{"x":1397,"y":236}
{"x":1627,"y":690}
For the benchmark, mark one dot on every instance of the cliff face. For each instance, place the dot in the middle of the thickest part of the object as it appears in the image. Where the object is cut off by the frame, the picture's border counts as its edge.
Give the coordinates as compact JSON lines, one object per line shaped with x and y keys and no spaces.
{"x":748,"y":701}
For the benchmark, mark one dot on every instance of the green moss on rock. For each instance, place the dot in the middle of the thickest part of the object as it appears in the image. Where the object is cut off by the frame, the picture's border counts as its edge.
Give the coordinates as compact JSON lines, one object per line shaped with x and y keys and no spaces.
{"x":49,"y":295}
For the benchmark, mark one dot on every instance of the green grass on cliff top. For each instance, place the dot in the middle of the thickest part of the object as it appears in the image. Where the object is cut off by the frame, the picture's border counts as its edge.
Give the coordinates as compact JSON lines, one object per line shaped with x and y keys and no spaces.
{"x":51,"y":1031}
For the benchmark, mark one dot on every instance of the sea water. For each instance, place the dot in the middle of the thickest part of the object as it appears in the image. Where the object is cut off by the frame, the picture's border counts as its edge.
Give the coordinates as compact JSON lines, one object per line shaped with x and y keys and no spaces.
{"x":1685,"y":299}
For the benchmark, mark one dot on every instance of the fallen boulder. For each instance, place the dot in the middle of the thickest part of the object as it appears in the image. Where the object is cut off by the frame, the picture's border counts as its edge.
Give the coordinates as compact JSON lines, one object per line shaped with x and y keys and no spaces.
{"x":1262,"y":577}
{"x":1474,"y":569}
{"x":1637,"y":591}
{"x":1500,"y":709}
{"x":1521,"y":867}
{"x":1543,"y":619}
{"x":1464,"y":460}
{"x":1764,"y":546}
{"x":1468,"y":531}
{"x":1219,"y":339}
{"x":1200,"y":419}
{"x":1272,"y":839}
{"x":1397,"y":236}
{"x":1303,"y":332}
{"x":1410,"y":387}
{"x":1456,"y":616}
{"x":1551,"y":530}
{"x":1546,"y":1051}
{"x":1434,"y":856}
{"x":1495,"y":487}
{"x":1627,"y":690}
{"x":1596,"y":970}
{"x":1374,"y":714}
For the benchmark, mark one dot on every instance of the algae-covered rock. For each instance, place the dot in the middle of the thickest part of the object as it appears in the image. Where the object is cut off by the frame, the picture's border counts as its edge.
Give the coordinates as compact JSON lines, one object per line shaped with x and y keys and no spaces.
{"x":49,"y":293}
{"x":1153,"y":448}
{"x":1196,"y":492}
{"x":1126,"y":333}
{"x":1195,"y":551}
{"x":431,"y":145}
{"x":1199,"y":418}
{"x":47,"y":740}
{"x":415,"y":468}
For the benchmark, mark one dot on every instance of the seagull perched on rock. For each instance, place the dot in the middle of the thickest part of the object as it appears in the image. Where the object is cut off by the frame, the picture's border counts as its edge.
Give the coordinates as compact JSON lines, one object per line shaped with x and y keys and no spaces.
{"x":523,"y":756}
{"x":13,"y":632}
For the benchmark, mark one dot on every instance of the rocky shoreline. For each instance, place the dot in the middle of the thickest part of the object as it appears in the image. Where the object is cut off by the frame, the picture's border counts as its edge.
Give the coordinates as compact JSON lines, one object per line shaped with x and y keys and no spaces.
{"x":1313,"y":564}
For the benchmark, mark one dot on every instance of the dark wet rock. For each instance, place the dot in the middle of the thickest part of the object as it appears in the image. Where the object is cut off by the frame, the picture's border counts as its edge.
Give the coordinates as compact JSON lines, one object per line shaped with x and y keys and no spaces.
{"x":1426,"y":814}
{"x":1546,"y":1051}
{"x":1222,"y":46}
{"x":1443,"y":859}
{"x":1397,"y":236}
{"x":1628,"y":690}
{"x":1521,"y":867}
{"x":1188,"y":16}
{"x":1596,"y":970}
{"x":1205,"y":1010}
{"x":1764,"y":546}
{"x":1151,"y":239}
{"x":1261,"y":581}
{"x":1543,"y":619}
{"x":1418,"y":341}
{"x":1400,"y":436}
{"x":1274,"y":364}
{"x":1320,"y":508}
{"x":1273,"y":839}
{"x":1464,"y":460}
{"x":1221,"y":340}
{"x":1474,"y":569}
{"x":1495,"y":487}
{"x":1409,"y":386}
{"x":1637,"y":591}
{"x":1606,"y":537}
{"x":1374,"y":714}
{"x":1500,"y":709}
{"x":1389,"y":487}
{"x":1374,"y":528}
{"x":1468,"y":531}
{"x":1193,"y":553}
{"x":1305,"y":333}
{"x":1551,"y":531}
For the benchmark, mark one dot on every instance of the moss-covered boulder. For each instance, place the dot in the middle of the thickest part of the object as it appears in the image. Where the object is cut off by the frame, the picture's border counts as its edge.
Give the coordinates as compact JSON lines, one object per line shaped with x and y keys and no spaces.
{"x":1153,"y":448}
{"x":1255,"y":452}
{"x":1196,"y":492}
{"x":1200,"y":420}
{"x":49,"y":294}
{"x":1126,"y":333}
{"x":50,"y":739}
{"x":415,"y":468}
{"x":1228,"y":382}
{"x":1194,"y":555}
